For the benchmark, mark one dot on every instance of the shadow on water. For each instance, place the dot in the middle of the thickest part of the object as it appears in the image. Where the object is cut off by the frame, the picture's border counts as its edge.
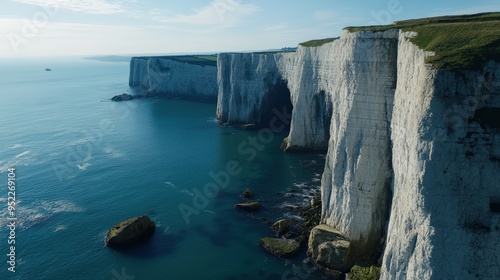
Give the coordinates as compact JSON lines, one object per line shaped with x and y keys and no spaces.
{"x":159,"y":244}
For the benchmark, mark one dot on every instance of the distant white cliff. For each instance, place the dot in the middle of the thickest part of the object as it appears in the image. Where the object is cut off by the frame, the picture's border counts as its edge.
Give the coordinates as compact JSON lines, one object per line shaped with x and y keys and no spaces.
{"x":171,"y":77}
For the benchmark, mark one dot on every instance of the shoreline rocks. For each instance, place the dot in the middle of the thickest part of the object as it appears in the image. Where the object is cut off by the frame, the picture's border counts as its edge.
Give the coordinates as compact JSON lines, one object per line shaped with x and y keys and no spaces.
{"x":130,"y":231}
{"x":329,"y":247}
{"x":283,"y":248}
{"x":122,"y":97}
{"x":280,"y":227}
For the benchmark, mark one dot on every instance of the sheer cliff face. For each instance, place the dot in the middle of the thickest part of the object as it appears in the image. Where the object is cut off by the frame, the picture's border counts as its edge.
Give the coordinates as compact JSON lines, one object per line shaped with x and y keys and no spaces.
{"x":445,"y":220}
{"x":166,"y":77}
{"x":310,"y":82}
{"x":357,"y":176}
{"x":413,"y":163}
{"x":251,"y":86}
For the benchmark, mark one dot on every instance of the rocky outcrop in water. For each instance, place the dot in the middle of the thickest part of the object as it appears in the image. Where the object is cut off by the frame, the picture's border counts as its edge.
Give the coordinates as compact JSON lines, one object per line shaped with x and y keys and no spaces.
{"x":130,"y":231}
{"x":284,"y":248}
{"x":248,"y":206}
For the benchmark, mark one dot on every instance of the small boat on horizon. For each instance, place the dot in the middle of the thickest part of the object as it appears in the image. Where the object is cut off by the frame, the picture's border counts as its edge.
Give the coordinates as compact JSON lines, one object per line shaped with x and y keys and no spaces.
{"x":48,"y":69}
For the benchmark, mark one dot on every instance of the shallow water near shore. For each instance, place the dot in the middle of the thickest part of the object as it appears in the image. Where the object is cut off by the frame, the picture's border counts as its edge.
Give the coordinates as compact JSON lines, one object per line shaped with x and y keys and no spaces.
{"x":84,"y":163}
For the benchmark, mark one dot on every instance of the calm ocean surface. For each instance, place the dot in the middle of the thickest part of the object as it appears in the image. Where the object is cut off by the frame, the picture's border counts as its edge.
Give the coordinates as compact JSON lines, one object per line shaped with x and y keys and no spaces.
{"x":84,"y":163}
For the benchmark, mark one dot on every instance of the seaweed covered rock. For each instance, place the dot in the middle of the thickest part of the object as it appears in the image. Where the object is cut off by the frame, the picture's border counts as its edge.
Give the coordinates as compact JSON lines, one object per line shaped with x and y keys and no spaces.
{"x":364,"y":273}
{"x":130,"y":231}
{"x":283,"y":248}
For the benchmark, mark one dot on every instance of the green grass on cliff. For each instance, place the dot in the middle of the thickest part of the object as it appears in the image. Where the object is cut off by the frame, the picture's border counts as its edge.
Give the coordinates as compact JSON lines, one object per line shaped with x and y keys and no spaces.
{"x":317,"y":43}
{"x":460,"y":42}
{"x":200,"y":60}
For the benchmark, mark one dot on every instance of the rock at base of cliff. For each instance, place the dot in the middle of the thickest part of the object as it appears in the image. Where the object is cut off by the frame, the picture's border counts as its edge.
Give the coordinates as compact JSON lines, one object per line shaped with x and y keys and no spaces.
{"x":130,"y":231}
{"x":283,"y":248}
{"x":334,"y":274}
{"x":329,"y":247}
{"x":363,"y":273}
{"x":247,"y":193}
{"x":122,"y":97}
{"x":248,"y":206}
{"x":280,"y":227}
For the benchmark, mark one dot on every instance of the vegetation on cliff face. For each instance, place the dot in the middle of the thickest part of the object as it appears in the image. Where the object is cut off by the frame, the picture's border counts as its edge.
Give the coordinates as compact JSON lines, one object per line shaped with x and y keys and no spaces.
{"x":459,"y":42}
{"x":200,"y":60}
{"x":364,"y":273}
{"x":317,"y":43}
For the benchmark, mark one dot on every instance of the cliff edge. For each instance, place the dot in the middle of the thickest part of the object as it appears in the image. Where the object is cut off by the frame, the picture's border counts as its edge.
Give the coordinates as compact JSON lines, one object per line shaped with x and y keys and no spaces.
{"x":409,"y":114}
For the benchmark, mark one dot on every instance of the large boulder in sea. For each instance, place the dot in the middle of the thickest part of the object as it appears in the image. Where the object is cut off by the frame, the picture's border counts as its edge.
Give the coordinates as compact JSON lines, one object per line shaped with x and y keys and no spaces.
{"x":280,"y":227}
{"x":329,"y":247}
{"x":283,"y":248}
{"x":130,"y":231}
{"x":247,"y":193}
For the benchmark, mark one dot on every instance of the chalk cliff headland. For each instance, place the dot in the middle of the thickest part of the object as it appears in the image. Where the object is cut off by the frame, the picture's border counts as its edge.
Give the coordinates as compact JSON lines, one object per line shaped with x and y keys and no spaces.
{"x":409,"y":115}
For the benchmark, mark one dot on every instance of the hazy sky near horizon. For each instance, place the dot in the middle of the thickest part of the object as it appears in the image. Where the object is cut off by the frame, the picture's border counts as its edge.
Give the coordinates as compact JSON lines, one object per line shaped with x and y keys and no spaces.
{"x":100,"y":27}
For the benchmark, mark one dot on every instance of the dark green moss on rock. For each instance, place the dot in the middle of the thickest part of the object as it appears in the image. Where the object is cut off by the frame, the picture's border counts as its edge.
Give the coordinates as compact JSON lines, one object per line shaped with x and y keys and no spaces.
{"x":364,"y":273}
{"x":284,"y":248}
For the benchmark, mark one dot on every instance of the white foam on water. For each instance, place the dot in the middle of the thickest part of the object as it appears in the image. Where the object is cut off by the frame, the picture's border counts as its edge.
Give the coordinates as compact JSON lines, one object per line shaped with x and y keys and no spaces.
{"x":174,"y":187}
{"x":113,"y":153}
{"x":23,"y":154}
{"x":85,"y":164}
{"x":38,"y":212}
{"x":60,"y":228}
{"x":15,"y":146}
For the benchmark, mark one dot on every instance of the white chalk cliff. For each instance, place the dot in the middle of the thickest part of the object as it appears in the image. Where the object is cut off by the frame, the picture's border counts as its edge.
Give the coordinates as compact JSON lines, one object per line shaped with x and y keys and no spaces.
{"x":165,"y":76}
{"x":412,"y":171}
{"x":413,"y":163}
{"x":252,"y":85}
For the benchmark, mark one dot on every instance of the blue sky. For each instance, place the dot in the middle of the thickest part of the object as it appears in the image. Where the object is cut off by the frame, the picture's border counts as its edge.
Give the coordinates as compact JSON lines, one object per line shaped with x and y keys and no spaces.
{"x":92,"y":27}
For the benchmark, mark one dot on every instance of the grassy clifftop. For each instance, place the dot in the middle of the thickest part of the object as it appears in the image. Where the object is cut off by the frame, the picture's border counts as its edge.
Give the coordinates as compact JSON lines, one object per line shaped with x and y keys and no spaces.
{"x":460,"y":42}
{"x":317,"y":43}
{"x":200,"y":60}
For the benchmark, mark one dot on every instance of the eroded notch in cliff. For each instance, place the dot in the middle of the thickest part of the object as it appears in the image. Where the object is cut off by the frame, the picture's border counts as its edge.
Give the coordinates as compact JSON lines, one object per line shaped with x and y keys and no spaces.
{"x":276,"y":109}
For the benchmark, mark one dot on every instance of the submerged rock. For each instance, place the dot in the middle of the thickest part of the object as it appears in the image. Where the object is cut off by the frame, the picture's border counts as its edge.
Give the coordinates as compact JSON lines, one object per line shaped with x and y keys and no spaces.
{"x":248,"y":126}
{"x":280,"y":227}
{"x":285,"y":248}
{"x":247,"y":193}
{"x":122,"y":97}
{"x":329,"y":247}
{"x":130,"y":231}
{"x":248,"y":206}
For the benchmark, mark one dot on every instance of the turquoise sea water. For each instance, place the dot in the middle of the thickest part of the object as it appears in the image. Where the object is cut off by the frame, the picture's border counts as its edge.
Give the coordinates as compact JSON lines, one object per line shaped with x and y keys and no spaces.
{"x":83,"y":163}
